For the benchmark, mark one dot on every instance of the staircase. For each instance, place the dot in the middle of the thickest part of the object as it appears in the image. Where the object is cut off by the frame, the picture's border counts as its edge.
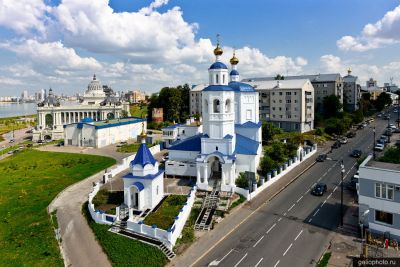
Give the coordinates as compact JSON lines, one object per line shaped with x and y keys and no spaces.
{"x":169,"y":253}
{"x":210,"y":203}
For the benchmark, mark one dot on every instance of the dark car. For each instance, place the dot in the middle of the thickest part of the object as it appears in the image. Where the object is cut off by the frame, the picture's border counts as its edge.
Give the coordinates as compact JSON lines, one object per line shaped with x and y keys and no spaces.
{"x":360,"y":126}
{"x":356,"y":153}
{"x":388,"y":132}
{"x":352,"y":185}
{"x":40,"y":141}
{"x":336,"y":144}
{"x":319,"y":189}
{"x":60,"y":143}
{"x":351,"y":134}
{"x":321,"y":158}
{"x":29,"y":145}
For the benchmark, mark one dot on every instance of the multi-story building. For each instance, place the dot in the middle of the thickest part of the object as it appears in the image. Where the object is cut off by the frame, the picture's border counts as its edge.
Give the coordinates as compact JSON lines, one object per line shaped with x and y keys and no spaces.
{"x":136,"y":97}
{"x":324,"y":85}
{"x":379,"y":197}
{"x":351,"y":91}
{"x":289,"y":104}
{"x":195,"y":99}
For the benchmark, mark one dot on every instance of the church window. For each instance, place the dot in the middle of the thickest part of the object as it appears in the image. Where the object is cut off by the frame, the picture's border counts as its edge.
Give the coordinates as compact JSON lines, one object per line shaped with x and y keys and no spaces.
{"x":157,"y":190}
{"x":280,"y":93}
{"x":223,"y":78}
{"x":228,"y":106}
{"x":216,"y":106}
{"x":248,"y":114}
{"x":216,"y":148}
{"x":216,"y":79}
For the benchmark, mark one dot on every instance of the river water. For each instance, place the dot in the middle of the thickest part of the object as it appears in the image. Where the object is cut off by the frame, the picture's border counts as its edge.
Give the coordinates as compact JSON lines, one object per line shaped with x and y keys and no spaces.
{"x":16,"y":109}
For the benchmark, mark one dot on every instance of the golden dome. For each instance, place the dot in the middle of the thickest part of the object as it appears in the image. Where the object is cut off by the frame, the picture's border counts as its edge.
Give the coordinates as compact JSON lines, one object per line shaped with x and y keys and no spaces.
{"x":234,"y":60}
{"x":349,"y":70}
{"x":218,"y":50}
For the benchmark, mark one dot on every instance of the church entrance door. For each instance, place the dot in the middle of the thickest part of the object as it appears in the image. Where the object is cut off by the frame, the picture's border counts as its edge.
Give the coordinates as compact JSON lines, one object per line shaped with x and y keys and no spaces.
{"x":216,"y":173}
{"x":134,"y":198}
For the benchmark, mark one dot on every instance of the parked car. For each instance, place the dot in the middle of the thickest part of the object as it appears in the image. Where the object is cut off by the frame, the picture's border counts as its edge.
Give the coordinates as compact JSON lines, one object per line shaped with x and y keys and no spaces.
{"x":336,"y":144}
{"x":351,"y":134}
{"x":384,"y":138}
{"x":11,"y":141}
{"x":322,"y":158}
{"x":40,"y":141}
{"x":360,"y":126}
{"x":387,"y":117}
{"x":379,"y":147}
{"x":60,"y":143}
{"x":352,"y":185}
{"x":356,"y":153}
{"x":343,"y":140}
{"x":397,"y":130}
{"x":120,"y":144}
{"x":392,"y":126}
{"x":29,"y":145}
{"x":388,"y":132}
{"x":380,"y":141}
{"x":319,"y":189}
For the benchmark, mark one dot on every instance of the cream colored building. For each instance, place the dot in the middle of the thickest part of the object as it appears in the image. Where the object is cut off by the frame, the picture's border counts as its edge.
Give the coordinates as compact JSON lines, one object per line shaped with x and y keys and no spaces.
{"x":95,"y":104}
{"x":195,"y":99}
{"x":289,"y":104}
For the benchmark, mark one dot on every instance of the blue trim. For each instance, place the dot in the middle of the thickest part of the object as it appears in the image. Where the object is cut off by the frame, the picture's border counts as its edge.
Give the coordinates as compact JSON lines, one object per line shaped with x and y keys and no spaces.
{"x":79,"y":125}
{"x":146,"y":177}
{"x":234,"y":73}
{"x":241,"y":87}
{"x":217,"y":88}
{"x":218,"y":65}
{"x":228,"y":136}
{"x":87,"y":120}
{"x":139,"y":186}
{"x":173,"y":126}
{"x":249,"y":124}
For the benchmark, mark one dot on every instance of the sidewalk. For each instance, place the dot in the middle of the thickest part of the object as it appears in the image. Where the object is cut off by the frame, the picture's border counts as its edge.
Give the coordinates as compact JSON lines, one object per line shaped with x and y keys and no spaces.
{"x":239,"y":215}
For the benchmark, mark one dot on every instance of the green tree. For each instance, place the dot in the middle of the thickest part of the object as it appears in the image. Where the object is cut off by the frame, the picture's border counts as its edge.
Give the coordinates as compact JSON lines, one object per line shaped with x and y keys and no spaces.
{"x":241,"y":181}
{"x":268,"y":131}
{"x":383,"y":100}
{"x":124,"y":114}
{"x":332,"y":106}
{"x":267,"y":164}
{"x":279,"y":77}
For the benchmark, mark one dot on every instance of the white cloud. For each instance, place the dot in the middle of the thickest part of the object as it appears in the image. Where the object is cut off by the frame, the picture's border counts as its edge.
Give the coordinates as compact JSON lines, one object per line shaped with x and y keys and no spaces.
{"x":384,"y":32}
{"x":23,"y":16}
{"x":331,"y":63}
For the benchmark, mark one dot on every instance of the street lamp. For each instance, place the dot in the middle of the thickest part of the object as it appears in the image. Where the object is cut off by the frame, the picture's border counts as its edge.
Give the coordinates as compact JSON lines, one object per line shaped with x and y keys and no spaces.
{"x":341,"y":193}
{"x":374,"y":142}
{"x":362,"y":230}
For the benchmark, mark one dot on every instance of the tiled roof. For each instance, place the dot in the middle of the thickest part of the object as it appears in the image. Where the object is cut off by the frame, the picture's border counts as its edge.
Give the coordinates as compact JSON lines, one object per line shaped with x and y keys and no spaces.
{"x":189,"y":144}
{"x":143,"y":156}
{"x":246,"y":146}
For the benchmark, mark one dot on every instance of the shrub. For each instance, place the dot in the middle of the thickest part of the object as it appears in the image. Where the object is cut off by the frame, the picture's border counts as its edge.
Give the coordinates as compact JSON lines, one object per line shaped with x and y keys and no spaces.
{"x":241,"y":181}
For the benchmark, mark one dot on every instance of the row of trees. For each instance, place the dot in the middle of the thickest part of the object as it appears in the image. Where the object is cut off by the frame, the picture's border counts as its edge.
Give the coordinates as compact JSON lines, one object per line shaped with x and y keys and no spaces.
{"x":174,"y":101}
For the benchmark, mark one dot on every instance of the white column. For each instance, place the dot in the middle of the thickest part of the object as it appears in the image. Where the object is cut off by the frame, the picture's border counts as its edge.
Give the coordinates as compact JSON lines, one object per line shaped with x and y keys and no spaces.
{"x":198,"y":174}
{"x":205,"y":173}
{"x":223,"y":170}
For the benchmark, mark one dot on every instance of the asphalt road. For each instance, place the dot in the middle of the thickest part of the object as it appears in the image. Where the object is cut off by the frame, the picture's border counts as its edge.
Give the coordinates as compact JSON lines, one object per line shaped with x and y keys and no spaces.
{"x":294,"y":228}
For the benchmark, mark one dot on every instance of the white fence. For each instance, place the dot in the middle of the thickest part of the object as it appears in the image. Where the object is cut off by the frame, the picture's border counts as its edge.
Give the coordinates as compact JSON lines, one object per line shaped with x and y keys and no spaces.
{"x":275,"y":175}
{"x":99,"y":216}
{"x":168,"y":237}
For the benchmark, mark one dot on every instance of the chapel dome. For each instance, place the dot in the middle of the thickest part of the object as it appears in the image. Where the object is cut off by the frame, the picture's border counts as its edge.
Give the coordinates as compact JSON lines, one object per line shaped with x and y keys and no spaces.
{"x":95,"y":85}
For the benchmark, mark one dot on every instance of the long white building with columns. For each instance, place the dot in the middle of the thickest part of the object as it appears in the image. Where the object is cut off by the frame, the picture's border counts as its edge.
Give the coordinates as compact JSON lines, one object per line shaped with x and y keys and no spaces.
{"x":95,"y":104}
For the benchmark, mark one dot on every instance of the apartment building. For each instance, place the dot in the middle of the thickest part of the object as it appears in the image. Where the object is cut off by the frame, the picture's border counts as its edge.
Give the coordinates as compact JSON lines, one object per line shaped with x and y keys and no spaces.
{"x":379,"y":197}
{"x":195,"y":99}
{"x":289,"y":104}
{"x":351,"y":91}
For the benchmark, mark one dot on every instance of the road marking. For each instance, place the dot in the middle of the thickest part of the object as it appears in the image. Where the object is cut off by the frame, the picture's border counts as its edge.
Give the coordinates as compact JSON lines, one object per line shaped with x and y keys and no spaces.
{"x":299,"y":199}
{"x":291,"y":207}
{"x":319,"y":179}
{"x":314,"y":184}
{"x":307,"y":191}
{"x":241,"y":260}
{"x":316,"y":212}
{"x":284,"y":214}
{"x":335,"y":189}
{"x":225,"y":256}
{"x":323,"y":203}
{"x":330,"y":169}
{"x":259,"y":262}
{"x":279,"y":219}
{"x":329,"y":195}
{"x":291,"y":244}
{"x":298,"y":235}
{"x":276,"y":264}
{"x":258,"y":242}
{"x":269,"y":230}
{"x":310,"y":220}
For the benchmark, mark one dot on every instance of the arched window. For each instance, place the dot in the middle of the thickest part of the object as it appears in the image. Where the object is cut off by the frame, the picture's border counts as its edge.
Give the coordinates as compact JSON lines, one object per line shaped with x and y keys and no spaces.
{"x":217,"y":108}
{"x":216,"y":78}
{"x":228,"y":106}
{"x":223,"y":78}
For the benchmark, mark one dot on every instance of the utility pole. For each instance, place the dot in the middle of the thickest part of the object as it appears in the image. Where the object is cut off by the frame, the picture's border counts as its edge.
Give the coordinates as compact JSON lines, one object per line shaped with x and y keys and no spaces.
{"x":341,"y":193}
{"x":374,"y":143}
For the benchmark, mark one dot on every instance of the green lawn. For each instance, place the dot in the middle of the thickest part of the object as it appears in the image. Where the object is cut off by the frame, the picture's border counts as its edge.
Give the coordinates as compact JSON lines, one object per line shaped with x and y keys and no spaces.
{"x":130,"y":148}
{"x":138,"y":111}
{"x":122,"y":251}
{"x":165,"y":215}
{"x":107,"y":201}
{"x":188,"y":236}
{"x":29,"y":181}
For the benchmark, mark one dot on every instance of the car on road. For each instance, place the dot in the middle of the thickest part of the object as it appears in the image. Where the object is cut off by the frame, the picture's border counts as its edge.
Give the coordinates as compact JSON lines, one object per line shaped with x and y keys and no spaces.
{"x":60,"y":143}
{"x":343,"y":140}
{"x":40,"y":141}
{"x":398,"y":120}
{"x":337,"y":144}
{"x":122,"y":144}
{"x":356,"y":153}
{"x":387,"y":117}
{"x":360,"y":126}
{"x":388,"y":132}
{"x":384,"y":138}
{"x":392,"y":126}
{"x":319,"y":189}
{"x":322,"y":158}
{"x":397,"y":130}
{"x":11,"y":141}
{"x":351,"y":134}
{"x":379,"y":147}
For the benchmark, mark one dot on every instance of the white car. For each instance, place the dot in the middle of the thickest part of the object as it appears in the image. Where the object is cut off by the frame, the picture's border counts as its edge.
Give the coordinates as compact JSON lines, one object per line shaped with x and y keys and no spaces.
{"x":379,"y":147}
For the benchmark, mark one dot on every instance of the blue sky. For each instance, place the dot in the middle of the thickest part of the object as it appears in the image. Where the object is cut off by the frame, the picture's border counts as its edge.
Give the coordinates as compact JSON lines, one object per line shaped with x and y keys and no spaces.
{"x":150,"y":44}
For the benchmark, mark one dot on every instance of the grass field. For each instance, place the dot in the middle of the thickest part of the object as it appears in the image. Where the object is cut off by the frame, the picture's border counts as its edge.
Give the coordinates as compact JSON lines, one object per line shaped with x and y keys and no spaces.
{"x":122,"y":251}
{"x":29,"y":181}
{"x":138,"y":111}
{"x":165,"y":215}
{"x":130,"y":148}
{"x":9,"y":124}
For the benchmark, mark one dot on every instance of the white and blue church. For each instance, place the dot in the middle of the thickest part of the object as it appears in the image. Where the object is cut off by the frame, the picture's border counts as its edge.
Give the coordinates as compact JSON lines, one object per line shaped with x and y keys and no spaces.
{"x":230,"y":142}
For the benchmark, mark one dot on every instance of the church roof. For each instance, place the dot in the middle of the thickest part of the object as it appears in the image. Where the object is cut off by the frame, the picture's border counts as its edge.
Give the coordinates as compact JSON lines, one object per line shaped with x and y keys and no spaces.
{"x":139,"y":186}
{"x":241,"y":87}
{"x":234,"y":72}
{"x":246,"y":146}
{"x":143,"y":156}
{"x":249,"y":124}
{"x":350,"y":79}
{"x":218,"y":65}
{"x":218,"y":88}
{"x":192,"y":143}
